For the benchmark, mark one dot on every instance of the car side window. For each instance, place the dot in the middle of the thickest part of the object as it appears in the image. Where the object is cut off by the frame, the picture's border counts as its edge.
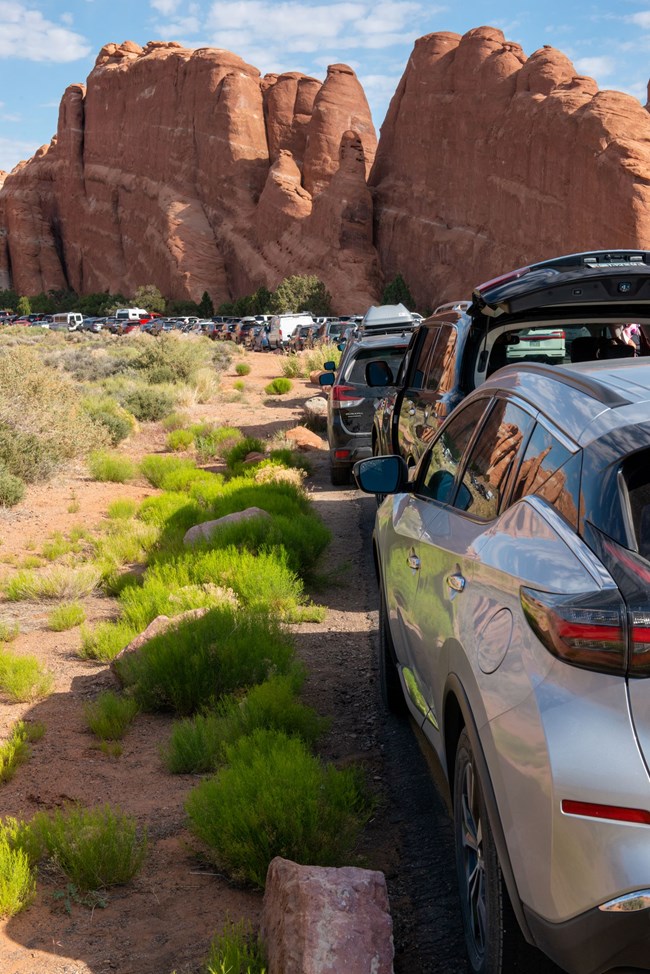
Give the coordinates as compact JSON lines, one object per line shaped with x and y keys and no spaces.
{"x":419,"y":371}
{"x":440,"y":372}
{"x":440,"y":466}
{"x":551,"y":471}
{"x":492,"y":458}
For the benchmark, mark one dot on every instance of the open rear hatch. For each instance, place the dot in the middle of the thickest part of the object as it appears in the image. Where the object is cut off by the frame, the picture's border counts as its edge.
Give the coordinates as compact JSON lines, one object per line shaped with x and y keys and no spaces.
{"x":602,"y":278}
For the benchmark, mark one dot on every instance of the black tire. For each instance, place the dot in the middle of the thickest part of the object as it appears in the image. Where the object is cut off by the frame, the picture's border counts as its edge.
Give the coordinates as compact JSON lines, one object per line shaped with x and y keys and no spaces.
{"x":339,"y":476}
{"x":389,"y":683}
{"x":493,"y":939}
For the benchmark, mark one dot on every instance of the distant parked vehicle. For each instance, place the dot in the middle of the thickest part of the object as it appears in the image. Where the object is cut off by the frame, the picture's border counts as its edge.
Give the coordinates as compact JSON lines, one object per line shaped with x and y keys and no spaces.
{"x":67,"y":321}
{"x":284,"y":325}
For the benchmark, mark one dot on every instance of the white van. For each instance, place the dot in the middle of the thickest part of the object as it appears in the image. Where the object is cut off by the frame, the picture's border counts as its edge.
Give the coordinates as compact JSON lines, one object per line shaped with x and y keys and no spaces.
{"x":283,"y":326}
{"x":70,"y":320}
{"x":131,"y":314}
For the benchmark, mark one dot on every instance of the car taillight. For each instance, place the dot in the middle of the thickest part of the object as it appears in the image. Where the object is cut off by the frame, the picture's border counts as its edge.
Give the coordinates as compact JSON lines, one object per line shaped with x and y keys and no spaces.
{"x":587,"y":630}
{"x":346,"y":394}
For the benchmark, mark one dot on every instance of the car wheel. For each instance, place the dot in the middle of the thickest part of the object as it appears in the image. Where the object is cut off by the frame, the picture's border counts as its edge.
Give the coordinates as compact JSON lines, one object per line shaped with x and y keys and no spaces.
{"x":482,"y":892}
{"x":389,"y":683}
{"x":339,"y":476}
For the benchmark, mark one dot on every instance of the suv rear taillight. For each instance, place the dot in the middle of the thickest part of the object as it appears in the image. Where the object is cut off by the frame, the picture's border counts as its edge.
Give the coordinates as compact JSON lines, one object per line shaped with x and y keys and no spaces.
{"x":587,"y":630}
{"x":346,"y":394}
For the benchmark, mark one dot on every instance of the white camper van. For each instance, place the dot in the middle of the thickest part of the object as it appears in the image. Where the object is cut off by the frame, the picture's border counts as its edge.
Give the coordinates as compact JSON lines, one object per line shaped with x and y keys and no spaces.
{"x":283,"y":326}
{"x":66,"y":320}
{"x":131,"y":314}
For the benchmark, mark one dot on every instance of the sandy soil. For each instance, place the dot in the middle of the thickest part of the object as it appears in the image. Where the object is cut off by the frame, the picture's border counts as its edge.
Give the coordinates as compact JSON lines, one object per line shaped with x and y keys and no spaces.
{"x":164,"y":920}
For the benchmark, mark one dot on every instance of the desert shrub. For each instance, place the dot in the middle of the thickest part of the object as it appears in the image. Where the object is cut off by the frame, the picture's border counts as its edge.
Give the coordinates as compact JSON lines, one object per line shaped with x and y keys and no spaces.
{"x":236,"y":951}
{"x":314,"y":359}
{"x":57,"y":547}
{"x":95,"y":848}
{"x":179,"y":440}
{"x":242,"y":368}
{"x":121,"y":509}
{"x":170,"y":473}
{"x":124,"y":543}
{"x":8,"y":631}
{"x":22,"y":678}
{"x":274,"y":798}
{"x":214,"y":441}
{"x":55,"y":582}
{"x":17,"y":879}
{"x":66,"y":617}
{"x":290,"y":458}
{"x":110,"y":715}
{"x":105,"y":640}
{"x":190,"y":666}
{"x":292,"y":367}
{"x":15,"y":750}
{"x":111,"y":467}
{"x":148,"y":403}
{"x":238,"y":453}
{"x":107,"y":412}
{"x":279,"y":386}
{"x":239,"y":386}
{"x":12,"y":488}
{"x":205,"y":385}
{"x":197,"y":744}
{"x":172,"y":359}
{"x":240,"y":493}
{"x":175,"y":421}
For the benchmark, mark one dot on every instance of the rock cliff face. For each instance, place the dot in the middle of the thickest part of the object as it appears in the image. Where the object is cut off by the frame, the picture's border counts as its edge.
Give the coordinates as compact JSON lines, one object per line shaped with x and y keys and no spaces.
{"x":488,"y":160}
{"x":187,"y":170}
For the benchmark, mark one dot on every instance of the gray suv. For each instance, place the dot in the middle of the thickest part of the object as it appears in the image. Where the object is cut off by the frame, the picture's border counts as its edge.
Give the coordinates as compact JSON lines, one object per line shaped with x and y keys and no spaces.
{"x":513,"y":564}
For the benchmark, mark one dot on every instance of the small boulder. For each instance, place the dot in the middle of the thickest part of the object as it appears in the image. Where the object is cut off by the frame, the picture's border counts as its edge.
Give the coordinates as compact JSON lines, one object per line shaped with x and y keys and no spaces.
{"x":315,"y":410}
{"x":158,"y":625}
{"x":303,"y":439}
{"x":205,"y":530}
{"x":324,"y":920}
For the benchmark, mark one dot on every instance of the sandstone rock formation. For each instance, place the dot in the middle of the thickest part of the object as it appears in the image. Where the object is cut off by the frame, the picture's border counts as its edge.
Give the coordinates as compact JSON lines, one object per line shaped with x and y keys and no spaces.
{"x":488,"y":160}
{"x":187,"y":170}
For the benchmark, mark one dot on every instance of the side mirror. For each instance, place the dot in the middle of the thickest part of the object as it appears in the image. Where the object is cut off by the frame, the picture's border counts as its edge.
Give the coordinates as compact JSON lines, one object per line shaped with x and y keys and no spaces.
{"x":341,"y":346}
{"x":326,"y":379}
{"x":379,"y":374}
{"x":330,"y":366}
{"x":381,"y":475}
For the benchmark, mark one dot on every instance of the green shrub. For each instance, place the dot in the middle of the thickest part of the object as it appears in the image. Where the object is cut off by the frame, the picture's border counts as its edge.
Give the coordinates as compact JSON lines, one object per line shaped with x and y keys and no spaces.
{"x":315,"y":358}
{"x":95,"y":848}
{"x":122,"y":509}
{"x":274,"y":798}
{"x":105,"y":641}
{"x":12,"y":488}
{"x":213,"y":442}
{"x":179,"y":440}
{"x":175,"y":421}
{"x":108,"y":413}
{"x":22,"y":678}
{"x":66,"y":617}
{"x":55,"y":582}
{"x":147,"y":403}
{"x":192,"y":665}
{"x":172,"y":359}
{"x":56,"y":547}
{"x":292,"y":367}
{"x":239,"y":386}
{"x":197,"y":744}
{"x":111,"y":467}
{"x":110,"y":715}
{"x":17,"y":880}
{"x":236,"y":951}
{"x":8,"y":631}
{"x":242,"y":368}
{"x":290,"y":458}
{"x":279,"y":386}
{"x":15,"y":751}
{"x":237,"y":453}
{"x":169,"y":473}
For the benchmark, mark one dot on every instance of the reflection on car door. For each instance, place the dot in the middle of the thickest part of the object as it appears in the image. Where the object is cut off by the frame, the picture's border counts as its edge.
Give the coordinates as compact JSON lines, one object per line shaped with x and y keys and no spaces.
{"x":451,"y":540}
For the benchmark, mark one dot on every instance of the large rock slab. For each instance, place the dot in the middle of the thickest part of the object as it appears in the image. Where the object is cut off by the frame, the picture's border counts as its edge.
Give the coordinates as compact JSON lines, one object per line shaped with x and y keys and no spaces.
{"x":205,"y":530}
{"x":318,"y":920}
{"x":302,"y":438}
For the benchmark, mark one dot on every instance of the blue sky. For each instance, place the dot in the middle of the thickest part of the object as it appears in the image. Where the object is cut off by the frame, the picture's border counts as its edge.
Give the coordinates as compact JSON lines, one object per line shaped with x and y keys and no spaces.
{"x":46,"y":45}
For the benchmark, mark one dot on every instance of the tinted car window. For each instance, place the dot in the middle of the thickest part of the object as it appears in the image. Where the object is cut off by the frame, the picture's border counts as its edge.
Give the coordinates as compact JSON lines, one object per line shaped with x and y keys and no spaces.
{"x":441,"y":368}
{"x":356,"y":369}
{"x":425,"y":351}
{"x":551,"y":471}
{"x":441,"y":464}
{"x":492,"y":458}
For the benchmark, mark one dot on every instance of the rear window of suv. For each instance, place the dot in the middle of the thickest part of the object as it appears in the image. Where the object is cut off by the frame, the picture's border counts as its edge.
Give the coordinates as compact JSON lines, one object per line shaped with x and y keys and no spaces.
{"x":356,"y":369}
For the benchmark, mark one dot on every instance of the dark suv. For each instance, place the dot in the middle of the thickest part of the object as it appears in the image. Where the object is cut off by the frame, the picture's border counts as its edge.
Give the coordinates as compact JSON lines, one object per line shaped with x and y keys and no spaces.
{"x":351,"y":404}
{"x":569,"y":309}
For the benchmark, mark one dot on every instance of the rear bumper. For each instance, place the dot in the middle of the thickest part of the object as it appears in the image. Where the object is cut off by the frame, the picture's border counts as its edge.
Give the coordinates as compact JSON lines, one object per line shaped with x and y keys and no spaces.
{"x":596,"y":942}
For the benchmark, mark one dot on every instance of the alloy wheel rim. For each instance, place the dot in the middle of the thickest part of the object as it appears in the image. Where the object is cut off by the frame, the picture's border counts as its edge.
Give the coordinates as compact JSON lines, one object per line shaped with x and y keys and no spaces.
{"x":473,"y":860}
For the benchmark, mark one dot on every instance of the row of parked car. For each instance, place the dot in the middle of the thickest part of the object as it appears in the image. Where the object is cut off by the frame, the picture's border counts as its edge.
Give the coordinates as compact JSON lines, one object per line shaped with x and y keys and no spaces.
{"x":509,"y":452}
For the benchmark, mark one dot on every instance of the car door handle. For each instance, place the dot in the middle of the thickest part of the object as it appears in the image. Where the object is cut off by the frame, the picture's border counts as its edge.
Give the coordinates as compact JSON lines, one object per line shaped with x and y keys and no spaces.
{"x":413,"y":561}
{"x":456,"y":582}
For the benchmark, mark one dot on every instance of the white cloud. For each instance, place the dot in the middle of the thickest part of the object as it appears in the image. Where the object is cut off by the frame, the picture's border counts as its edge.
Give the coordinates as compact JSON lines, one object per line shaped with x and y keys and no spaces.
{"x":166,"y":7}
{"x":25,"y":33}
{"x":13,"y":150}
{"x":595,"y":67}
{"x":641,"y":19}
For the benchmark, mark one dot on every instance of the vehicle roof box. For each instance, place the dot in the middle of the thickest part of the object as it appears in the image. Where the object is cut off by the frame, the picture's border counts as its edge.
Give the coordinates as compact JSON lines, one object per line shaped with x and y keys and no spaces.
{"x":385,"y":318}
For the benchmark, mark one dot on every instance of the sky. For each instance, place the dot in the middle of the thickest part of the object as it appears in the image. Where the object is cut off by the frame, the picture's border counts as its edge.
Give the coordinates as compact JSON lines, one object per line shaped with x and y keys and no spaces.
{"x":46,"y":45}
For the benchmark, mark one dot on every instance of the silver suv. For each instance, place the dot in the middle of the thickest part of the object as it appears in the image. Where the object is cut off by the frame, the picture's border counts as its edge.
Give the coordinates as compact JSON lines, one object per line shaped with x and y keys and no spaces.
{"x":514,"y":572}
